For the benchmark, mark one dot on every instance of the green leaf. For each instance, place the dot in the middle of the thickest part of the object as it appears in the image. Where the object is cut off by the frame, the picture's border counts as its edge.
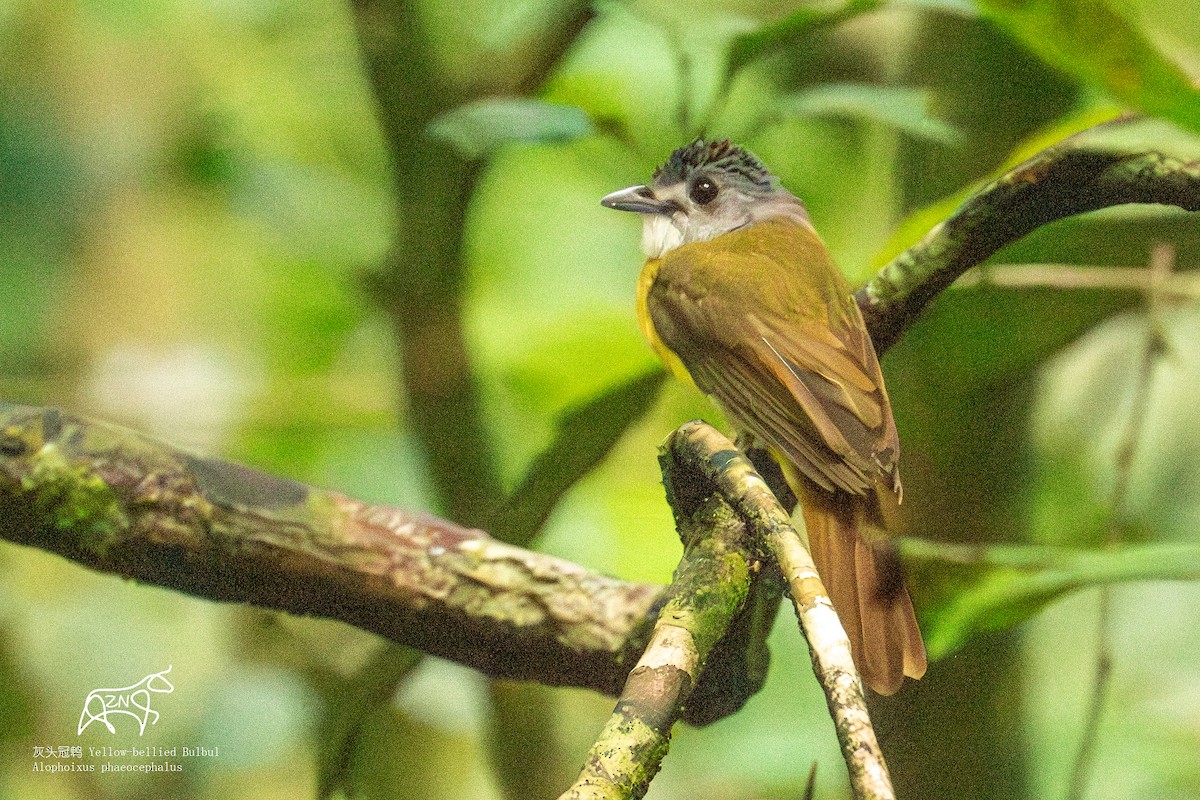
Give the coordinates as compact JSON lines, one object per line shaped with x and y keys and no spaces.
{"x":900,"y":107}
{"x":477,"y":129}
{"x":1063,"y":181}
{"x":791,"y":30}
{"x":586,"y":433}
{"x":997,"y":587}
{"x":920,"y":222}
{"x":1087,"y":39}
{"x":1139,"y":135}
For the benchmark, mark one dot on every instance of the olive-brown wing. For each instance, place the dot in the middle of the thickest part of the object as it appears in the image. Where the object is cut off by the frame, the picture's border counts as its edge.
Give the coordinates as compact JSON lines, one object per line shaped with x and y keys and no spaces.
{"x":767,"y":327}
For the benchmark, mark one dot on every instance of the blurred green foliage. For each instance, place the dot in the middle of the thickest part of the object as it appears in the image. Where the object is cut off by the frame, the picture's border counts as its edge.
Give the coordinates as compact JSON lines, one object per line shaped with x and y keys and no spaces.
{"x":193,"y":198}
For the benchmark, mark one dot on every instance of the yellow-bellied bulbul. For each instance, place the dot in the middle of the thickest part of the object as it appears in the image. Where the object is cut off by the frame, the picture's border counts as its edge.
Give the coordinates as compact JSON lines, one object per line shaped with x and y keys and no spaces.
{"x":740,"y":296}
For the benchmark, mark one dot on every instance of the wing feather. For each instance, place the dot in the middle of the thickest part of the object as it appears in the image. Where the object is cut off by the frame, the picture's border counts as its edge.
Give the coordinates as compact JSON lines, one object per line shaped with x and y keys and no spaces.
{"x":766,"y":325}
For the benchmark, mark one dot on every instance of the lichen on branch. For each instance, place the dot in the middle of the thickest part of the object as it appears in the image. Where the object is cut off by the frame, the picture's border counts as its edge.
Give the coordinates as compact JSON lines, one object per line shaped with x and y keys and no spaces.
{"x":123,"y":503}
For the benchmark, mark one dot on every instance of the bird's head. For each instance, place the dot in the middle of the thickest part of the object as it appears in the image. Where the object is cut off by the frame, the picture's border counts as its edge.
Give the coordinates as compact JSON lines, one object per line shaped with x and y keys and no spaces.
{"x":704,"y":190}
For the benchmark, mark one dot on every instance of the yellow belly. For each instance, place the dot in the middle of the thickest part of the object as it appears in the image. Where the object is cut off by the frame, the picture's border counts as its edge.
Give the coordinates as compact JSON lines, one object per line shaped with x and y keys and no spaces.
{"x":645,"y":281}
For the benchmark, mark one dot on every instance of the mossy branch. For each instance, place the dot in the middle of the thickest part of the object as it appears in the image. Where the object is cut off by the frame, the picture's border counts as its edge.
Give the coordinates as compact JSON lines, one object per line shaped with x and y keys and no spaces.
{"x":731,"y":474}
{"x":710,"y":588}
{"x":1107,"y":165}
{"x":729,"y":520}
{"x":123,"y":503}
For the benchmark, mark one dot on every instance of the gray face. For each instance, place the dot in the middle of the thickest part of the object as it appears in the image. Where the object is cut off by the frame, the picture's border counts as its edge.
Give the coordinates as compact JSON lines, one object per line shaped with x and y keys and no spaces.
{"x":703,"y":191}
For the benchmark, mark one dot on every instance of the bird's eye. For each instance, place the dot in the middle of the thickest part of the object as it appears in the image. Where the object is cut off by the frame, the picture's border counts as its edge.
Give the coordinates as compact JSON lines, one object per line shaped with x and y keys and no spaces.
{"x":703,"y":191}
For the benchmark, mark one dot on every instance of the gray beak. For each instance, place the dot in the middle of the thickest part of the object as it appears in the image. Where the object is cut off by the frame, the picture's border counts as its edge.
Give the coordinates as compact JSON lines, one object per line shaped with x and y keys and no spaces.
{"x":638,"y":199}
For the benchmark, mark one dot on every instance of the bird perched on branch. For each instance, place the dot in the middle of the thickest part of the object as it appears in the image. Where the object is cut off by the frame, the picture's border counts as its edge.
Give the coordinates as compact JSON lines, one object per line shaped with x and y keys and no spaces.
{"x":740,"y":296}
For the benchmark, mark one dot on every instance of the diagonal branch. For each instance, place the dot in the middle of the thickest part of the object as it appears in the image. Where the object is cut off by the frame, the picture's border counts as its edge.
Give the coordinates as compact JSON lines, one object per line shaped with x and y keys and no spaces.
{"x":1072,"y":177}
{"x":711,"y":586}
{"x":732,"y":474}
{"x":728,"y":519}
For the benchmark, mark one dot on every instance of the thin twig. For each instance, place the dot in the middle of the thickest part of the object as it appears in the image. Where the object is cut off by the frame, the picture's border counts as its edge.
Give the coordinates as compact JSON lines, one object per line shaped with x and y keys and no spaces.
{"x":832,"y":664}
{"x":1076,"y":276}
{"x":1080,"y":772}
{"x":1158,"y":277}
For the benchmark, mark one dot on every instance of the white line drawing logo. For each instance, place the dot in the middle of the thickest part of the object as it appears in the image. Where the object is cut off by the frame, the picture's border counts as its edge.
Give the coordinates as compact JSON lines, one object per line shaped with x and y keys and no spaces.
{"x":132,"y":700}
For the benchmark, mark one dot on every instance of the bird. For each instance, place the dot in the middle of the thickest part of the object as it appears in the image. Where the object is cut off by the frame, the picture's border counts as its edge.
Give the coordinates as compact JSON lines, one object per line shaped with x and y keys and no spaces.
{"x":740,"y":297}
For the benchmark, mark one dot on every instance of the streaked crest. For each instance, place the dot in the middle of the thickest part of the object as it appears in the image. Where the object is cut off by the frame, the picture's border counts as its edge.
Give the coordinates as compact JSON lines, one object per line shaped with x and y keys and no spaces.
{"x":737,"y":165}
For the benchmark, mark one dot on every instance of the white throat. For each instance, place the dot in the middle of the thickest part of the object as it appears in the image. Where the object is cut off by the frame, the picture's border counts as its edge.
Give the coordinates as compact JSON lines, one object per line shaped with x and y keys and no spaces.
{"x":660,"y":235}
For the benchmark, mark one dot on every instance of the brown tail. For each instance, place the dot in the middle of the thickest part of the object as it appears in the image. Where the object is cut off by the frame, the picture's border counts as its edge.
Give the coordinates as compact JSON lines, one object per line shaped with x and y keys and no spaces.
{"x":866,"y":588}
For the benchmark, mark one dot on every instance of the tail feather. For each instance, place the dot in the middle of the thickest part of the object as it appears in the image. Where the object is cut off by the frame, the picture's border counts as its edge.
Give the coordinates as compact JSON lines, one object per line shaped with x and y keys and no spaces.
{"x":839,"y":574}
{"x":874,"y":607}
{"x":915,"y":661}
{"x":882,"y":641}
